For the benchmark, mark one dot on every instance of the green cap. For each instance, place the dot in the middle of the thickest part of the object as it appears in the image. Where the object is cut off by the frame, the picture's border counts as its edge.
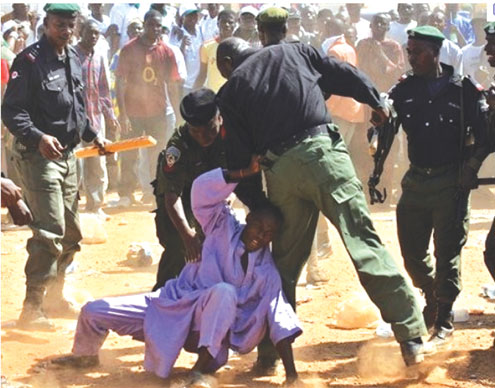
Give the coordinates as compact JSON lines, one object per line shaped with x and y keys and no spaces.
{"x":62,"y":8}
{"x":428,"y":33}
{"x":272,"y":15}
{"x":490,"y":29}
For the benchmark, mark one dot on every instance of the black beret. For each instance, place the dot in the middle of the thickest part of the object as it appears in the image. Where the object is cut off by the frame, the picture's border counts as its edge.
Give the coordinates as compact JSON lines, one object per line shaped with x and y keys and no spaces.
{"x":199,"y":107}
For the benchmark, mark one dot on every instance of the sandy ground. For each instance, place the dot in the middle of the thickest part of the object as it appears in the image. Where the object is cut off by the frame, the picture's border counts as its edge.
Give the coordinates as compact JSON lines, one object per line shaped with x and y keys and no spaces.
{"x":326,"y":356}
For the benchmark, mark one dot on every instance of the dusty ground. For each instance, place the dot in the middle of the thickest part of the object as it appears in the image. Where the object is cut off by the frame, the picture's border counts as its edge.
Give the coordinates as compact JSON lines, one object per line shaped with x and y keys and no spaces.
{"x":326,"y":356}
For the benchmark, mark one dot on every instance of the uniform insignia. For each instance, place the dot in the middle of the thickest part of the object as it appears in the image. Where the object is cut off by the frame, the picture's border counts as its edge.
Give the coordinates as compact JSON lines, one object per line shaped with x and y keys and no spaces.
{"x":172,"y":155}
{"x":454,"y":105}
{"x":223,"y":132}
{"x":32,"y":55}
{"x":15,"y":75}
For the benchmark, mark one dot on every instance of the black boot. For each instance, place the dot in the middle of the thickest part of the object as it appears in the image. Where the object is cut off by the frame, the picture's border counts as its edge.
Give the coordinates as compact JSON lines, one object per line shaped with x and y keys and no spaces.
{"x":32,"y":316}
{"x":444,"y":325}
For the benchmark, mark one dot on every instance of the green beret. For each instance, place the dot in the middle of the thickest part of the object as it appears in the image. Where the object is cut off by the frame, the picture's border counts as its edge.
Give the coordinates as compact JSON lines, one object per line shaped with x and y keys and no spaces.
{"x":272,"y":15}
{"x":62,"y":8}
{"x":490,"y":29}
{"x":428,"y":33}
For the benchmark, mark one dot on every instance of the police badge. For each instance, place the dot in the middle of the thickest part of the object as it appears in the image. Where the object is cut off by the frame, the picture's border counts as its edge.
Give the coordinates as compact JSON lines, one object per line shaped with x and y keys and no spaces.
{"x":172,"y":155}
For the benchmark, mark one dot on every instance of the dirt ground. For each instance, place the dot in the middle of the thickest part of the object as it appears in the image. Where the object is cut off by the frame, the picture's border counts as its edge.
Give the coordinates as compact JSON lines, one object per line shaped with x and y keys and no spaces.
{"x":326,"y":356}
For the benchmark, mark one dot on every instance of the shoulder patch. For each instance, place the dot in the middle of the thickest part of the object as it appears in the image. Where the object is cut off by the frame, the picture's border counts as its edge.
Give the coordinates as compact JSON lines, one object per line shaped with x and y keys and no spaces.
{"x":172,"y":156}
{"x":32,"y":54}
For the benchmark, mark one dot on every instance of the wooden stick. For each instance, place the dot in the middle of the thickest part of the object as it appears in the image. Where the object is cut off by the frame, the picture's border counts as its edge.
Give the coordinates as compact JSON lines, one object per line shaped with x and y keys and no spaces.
{"x":118,"y":146}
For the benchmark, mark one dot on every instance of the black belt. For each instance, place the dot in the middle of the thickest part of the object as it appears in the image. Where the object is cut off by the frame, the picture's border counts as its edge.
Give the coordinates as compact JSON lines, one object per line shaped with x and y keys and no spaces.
{"x":434,"y":170}
{"x":294,"y":140}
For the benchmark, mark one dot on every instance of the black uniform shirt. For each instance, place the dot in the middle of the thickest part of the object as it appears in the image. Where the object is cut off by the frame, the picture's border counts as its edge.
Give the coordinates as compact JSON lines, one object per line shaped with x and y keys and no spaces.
{"x":431,"y":117}
{"x":45,"y":96}
{"x":183,"y":160}
{"x":276,"y":93}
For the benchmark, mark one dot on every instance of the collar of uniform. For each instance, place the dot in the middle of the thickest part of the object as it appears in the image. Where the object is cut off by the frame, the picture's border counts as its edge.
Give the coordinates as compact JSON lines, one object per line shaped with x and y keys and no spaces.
{"x":455,"y":79}
{"x":50,"y":54}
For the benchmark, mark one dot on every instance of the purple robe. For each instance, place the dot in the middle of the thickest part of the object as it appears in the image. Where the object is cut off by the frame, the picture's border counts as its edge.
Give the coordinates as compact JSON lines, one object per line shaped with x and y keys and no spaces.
{"x":212,"y":303}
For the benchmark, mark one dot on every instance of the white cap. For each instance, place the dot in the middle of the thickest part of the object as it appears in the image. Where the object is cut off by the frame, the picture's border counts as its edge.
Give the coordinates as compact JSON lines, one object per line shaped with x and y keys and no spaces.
{"x":249,"y":9}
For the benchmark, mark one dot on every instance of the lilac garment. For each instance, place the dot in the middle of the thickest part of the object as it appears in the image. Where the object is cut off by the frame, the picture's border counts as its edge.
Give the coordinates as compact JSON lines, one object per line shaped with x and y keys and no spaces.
{"x":260,"y":301}
{"x":212,"y":303}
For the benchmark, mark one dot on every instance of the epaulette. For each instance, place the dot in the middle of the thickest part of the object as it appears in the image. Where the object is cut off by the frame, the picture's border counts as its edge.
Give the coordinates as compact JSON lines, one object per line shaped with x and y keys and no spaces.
{"x":475,"y":83}
{"x":405,"y":76}
{"x":32,"y":53}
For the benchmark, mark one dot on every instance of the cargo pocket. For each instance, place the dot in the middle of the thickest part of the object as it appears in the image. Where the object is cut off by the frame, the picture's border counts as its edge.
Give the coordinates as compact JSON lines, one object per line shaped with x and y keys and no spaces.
{"x":350,"y":195}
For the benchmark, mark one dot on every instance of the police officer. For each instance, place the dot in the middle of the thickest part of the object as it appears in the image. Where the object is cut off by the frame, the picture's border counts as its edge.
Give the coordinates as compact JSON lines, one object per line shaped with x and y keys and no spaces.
{"x":193,"y":149}
{"x":273,"y":105}
{"x":490,"y":51}
{"x":440,"y":112}
{"x":44,"y":109}
{"x":490,"y":238}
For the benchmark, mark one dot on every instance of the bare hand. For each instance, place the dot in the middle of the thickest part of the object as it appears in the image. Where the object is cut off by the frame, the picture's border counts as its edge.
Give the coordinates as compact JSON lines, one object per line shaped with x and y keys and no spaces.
{"x":379,"y":116}
{"x":193,"y":246}
{"x":254,"y":165}
{"x":50,"y":148}
{"x":21,"y":215}
{"x":100,"y":143}
{"x":11,"y":193}
{"x":186,"y":41}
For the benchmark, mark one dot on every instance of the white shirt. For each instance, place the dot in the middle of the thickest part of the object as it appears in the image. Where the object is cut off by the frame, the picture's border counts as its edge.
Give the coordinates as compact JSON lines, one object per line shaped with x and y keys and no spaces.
{"x":191,"y":55}
{"x":451,"y":54}
{"x":209,"y":28}
{"x":398,"y":31}
{"x":472,"y":58}
{"x":103,"y":25}
{"x":121,"y":15}
{"x":181,"y":68}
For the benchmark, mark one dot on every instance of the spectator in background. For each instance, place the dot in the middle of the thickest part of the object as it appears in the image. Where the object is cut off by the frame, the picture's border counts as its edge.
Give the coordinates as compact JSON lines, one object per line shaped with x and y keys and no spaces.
{"x":419,"y":9}
{"x":324,"y":15}
{"x":380,"y":58}
{"x":474,"y":61}
{"x":22,"y":17}
{"x":247,"y":26}
{"x":209,"y":25}
{"x":457,"y":28}
{"x":99,"y":109}
{"x":120,"y":17}
{"x":189,"y":39}
{"x":208,"y":53}
{"x":101,"y":20}
{"x":362,"y":25}
{"x":450,"y":53}
{"x":350,"y":34}
{"x":295,"y":29}
{"x":398,"y":30}
{"x":146,"y":72}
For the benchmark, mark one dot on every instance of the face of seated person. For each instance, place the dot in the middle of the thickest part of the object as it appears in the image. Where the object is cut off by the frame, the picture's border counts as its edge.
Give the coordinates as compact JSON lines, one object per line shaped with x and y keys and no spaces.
{"x":260,"y":229}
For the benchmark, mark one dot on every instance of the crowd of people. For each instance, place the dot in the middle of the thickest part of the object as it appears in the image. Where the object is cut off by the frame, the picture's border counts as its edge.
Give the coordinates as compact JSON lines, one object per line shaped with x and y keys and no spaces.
{"x":228,"y":91}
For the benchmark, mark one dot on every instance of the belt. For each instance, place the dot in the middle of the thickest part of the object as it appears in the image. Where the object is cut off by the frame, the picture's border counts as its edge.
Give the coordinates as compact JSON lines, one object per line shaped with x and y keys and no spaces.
{"x":294,"y":140}
{"x":434,"y":170}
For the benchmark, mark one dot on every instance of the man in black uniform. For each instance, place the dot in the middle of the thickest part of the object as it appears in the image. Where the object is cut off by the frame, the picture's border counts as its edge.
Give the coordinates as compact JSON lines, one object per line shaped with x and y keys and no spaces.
{"x":490,"y":52}
{"x":440,"y":112}
{"x":44,"y":109}
{"x":193,"y":149}
{"x":273,"y":105}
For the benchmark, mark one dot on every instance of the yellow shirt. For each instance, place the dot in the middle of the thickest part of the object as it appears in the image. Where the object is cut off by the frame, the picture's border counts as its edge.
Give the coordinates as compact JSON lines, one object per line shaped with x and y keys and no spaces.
{"x":208,"y":55}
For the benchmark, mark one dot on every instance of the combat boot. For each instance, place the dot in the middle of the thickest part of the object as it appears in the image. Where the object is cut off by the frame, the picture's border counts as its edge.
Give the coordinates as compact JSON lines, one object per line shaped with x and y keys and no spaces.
{"x":32,"y":316}
{"x":55,"y":303}
{"x":444,"y":325}
{"x":413,"y":351}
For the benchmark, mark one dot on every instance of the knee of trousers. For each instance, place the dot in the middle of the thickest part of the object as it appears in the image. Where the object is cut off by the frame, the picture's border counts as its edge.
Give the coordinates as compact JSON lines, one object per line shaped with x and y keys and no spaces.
{"x":224,"y":293}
